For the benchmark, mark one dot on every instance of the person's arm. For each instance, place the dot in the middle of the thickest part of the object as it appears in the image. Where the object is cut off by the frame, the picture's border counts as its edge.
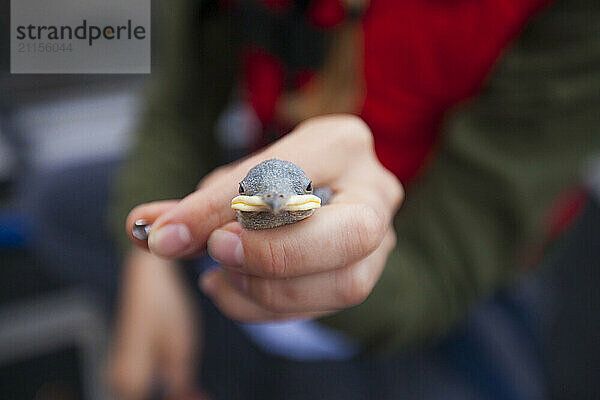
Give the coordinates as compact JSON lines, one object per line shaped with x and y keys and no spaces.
{"x":465,"y":228}
{"x":158,"y":334}
{"x":174,"y":143}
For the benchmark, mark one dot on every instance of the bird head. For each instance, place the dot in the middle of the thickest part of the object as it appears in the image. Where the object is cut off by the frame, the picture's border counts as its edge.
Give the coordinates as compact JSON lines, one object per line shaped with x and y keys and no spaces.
{"x":274,"y":186}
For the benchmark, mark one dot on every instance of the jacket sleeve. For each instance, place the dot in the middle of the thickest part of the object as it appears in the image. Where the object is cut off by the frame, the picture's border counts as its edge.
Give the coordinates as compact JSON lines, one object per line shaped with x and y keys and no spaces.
{"x":504,"y":158}
{"x":174,"y":143}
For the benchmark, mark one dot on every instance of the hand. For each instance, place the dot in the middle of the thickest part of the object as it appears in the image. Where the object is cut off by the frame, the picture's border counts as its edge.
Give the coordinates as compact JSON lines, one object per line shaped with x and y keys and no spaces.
{"x":324,"y":263}
{"x":156,"y":333}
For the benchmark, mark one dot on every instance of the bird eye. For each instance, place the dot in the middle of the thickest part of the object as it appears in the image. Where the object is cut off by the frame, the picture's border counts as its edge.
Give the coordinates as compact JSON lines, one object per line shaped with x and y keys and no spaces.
{"x":241,"y":189}
{"x":309,"y":188}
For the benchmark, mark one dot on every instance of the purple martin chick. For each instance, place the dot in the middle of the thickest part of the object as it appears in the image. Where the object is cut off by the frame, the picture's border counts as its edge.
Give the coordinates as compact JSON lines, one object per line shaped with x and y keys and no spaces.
{"x":274,"y":193}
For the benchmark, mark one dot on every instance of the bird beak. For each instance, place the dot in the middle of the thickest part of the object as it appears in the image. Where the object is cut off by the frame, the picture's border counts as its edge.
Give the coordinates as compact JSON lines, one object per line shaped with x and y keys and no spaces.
{"x":275,"y":203}
{"x":302,"y":202}
{"x":249,"y":204}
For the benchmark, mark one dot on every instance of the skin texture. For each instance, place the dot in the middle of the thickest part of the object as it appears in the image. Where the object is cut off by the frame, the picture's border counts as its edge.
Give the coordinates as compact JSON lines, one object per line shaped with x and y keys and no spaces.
{"x":317,"y":266}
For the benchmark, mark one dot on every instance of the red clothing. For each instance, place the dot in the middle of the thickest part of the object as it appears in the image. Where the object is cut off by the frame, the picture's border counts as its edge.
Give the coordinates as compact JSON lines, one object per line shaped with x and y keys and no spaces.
{"x":423,"y":56}
{"x":420,"y":58}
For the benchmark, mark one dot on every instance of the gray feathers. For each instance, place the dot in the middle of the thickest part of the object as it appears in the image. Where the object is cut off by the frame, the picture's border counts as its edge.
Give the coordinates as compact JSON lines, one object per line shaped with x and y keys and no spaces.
{"x":275,"y":176}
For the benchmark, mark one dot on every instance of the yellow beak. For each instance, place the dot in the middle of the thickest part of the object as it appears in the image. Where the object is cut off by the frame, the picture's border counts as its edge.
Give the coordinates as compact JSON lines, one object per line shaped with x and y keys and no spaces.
{"x":301,"y":202}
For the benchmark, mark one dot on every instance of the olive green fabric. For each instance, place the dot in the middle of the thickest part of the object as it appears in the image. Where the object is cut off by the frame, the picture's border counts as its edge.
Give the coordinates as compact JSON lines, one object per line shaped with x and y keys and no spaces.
{"x":466,"y":224}
{"x":504,"y":158}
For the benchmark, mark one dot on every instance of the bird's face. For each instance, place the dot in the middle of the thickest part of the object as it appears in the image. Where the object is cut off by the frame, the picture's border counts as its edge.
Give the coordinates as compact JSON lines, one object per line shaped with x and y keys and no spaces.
{"x":275,"y":186}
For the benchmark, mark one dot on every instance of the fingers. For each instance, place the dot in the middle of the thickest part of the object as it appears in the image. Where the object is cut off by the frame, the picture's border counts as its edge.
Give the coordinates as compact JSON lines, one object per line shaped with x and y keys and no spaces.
{"x":238,"y":307}
{"x":182,"y":230}
{"x":148,"y":212}
{"x":326,"y":148}
{"x":249,"y":298}
{"x":373,"y":185}
{"x":336,"y":236}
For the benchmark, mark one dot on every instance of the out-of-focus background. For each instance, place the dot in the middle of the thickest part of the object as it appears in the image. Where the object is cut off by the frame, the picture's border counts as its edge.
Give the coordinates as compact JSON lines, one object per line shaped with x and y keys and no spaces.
{"x":55,"y":316}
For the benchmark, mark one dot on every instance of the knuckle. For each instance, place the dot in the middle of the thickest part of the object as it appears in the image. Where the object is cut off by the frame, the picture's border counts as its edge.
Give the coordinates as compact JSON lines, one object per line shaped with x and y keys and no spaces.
{"x":358,"y":132}
{"x":369,"y":231}
{"x":396,"y":189}
{"x":356,"y":289}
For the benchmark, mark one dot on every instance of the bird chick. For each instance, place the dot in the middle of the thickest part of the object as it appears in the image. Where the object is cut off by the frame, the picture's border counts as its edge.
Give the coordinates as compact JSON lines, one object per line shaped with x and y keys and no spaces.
{"x":274,"y":193}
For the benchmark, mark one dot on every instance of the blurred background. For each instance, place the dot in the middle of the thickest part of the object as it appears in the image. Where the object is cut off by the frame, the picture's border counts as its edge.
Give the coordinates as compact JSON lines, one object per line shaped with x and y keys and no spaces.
{"x":55,"y":316}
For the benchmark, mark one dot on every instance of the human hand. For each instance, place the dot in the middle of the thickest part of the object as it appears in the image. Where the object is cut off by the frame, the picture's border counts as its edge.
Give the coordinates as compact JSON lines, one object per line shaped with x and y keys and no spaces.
{"x":324,"y":263}
{"x":156,"y":332}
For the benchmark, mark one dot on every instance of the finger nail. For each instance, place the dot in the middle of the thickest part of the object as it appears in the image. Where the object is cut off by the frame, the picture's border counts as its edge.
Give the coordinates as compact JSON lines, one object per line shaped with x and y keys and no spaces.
{"x":238,"y":281}
{"x":226,"y":248}
{"x":170,"y":240}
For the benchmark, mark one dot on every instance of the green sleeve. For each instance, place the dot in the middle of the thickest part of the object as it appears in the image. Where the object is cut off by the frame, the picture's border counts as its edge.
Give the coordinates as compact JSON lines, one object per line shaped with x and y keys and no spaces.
{"x":174,"y":142}
{"x":465,"y":226}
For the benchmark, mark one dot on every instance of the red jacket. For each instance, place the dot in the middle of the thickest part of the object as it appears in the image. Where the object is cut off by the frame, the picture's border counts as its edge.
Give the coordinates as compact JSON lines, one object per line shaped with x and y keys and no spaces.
{"x":421,"y":57}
